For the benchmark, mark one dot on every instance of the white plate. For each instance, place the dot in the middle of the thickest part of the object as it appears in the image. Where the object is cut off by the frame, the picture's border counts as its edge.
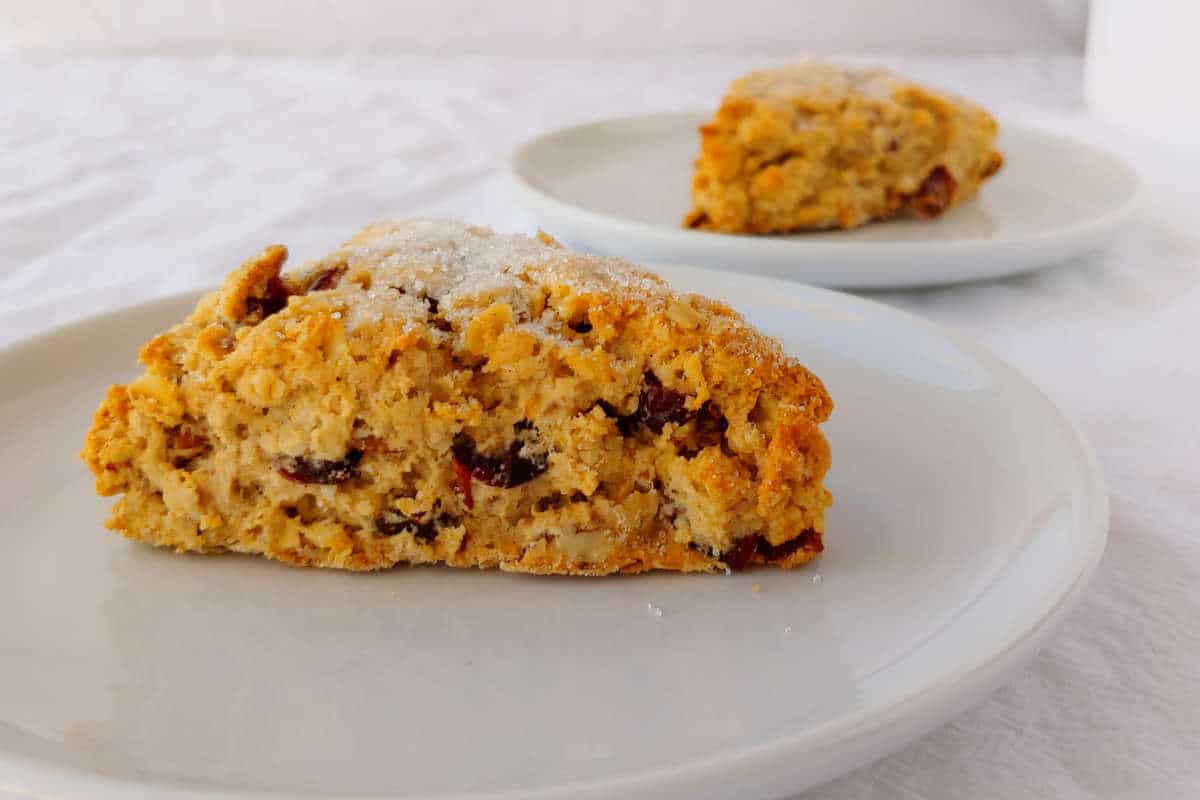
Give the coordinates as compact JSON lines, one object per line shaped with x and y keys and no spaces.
{"x":969,"y":516}
{"x":621,"y":187}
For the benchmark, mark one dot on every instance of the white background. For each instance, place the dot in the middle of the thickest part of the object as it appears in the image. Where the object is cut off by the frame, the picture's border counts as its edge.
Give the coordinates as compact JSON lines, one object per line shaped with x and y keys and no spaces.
{"x":124,"y":177}
{"x":554,"y":27}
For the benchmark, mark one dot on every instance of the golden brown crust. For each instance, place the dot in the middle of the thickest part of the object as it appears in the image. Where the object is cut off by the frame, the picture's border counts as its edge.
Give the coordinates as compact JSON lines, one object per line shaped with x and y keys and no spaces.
{"x":437,"y":393}
{"x":813,"y":146}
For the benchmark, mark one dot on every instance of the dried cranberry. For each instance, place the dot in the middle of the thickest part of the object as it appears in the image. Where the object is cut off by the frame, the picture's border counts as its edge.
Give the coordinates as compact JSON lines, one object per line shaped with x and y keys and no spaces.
{"x":505,"y":471}
{"x":743,"y":550}
{"x":626,"y":423}
{"x":935,"y":193}
{"x":431,"y":302}
{"x":548,"y":502}
{"x":808,"y":539}
{"x":392,"y":523}
{"x":658,"y":405}
{"x":580,"y":325}
{"x":273,"y":300}
{"x":325,"y":279}
{"x":738,"y":557}
{"x":318,"y":470}
{"x":462,"y":474}
{"x":710,"y":425}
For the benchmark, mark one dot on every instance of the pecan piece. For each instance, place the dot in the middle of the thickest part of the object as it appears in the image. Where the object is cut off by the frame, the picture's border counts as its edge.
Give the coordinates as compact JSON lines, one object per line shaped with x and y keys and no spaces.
{"x":935,"y":194}
{"x":324,"y":280}
{"x":186,"y":439}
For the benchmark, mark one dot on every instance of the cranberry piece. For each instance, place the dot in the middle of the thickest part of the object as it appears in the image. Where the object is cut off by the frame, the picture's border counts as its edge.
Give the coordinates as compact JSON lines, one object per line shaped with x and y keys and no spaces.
{"x":392,"y":523}
{"x":580,"y":325}
{"x":462,"y":474}
{"x":318,"y":470}
{"x":738,"y":557}
{"x":626,"y":423}
{"x":710,"y":425}
{"x":325,"y":279}
{"x":658,"y":405}
{"x":935,"y":193}
{"x":504,"y":471}
{"x":548,"y":502}
{"x":808,"y":539}
{"x":273,"y":301}
{"x":431,"y":302}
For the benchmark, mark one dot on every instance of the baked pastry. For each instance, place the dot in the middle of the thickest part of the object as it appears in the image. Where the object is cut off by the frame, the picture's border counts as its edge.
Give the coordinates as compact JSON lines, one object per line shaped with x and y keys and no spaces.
{"x":434,"y":392}
{"x":812,"y":146}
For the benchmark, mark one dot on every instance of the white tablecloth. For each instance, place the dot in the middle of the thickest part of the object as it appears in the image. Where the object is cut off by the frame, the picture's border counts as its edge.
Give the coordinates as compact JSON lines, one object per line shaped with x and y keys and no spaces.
{"x":125,"y":179}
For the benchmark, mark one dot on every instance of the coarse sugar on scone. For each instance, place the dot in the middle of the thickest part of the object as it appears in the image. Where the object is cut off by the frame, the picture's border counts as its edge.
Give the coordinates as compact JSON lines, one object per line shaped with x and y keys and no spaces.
{"x":436,"y":392}
{"x":813,"y":145}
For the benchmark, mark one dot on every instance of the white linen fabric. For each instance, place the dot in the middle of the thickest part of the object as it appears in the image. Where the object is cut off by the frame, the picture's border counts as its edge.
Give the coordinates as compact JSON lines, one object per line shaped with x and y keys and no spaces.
{"x":123,"y":179}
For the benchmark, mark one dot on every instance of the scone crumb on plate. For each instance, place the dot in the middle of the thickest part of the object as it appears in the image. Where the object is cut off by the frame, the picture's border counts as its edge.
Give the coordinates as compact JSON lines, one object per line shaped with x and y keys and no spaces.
{"x":434,"y":392}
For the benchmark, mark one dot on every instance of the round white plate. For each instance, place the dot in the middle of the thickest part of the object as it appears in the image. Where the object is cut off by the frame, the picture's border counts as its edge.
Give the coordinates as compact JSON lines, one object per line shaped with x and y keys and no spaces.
{"x":621,"y":187}
{"x":969,"y":515}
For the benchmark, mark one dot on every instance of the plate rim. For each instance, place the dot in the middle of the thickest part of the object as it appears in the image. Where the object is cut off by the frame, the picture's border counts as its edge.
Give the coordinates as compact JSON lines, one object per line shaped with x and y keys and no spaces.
{"x":1076,"y":238}
{"x":851,"y":741}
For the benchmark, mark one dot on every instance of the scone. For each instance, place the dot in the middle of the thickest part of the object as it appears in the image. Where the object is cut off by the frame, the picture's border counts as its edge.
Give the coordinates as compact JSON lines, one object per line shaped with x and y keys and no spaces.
{"x":812,"y":146}
{"x":434,"y":392}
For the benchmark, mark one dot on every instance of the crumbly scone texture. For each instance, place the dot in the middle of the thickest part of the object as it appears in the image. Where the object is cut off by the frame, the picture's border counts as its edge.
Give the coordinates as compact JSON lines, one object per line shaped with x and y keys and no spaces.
{"x":435,"y":392}
{"x":813,"y":145}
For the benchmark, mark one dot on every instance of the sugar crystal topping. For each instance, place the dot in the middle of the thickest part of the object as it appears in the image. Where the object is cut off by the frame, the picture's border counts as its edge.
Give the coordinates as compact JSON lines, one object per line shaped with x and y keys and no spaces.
{"x":426,"y":273}
{"x":419,"y":265}
{"x":817,"y":79}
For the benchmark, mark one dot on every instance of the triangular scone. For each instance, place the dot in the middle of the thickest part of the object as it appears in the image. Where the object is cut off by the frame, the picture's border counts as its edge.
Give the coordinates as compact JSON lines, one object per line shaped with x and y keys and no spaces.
{"x":434,"y":392}
{"x":813,"y":145}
